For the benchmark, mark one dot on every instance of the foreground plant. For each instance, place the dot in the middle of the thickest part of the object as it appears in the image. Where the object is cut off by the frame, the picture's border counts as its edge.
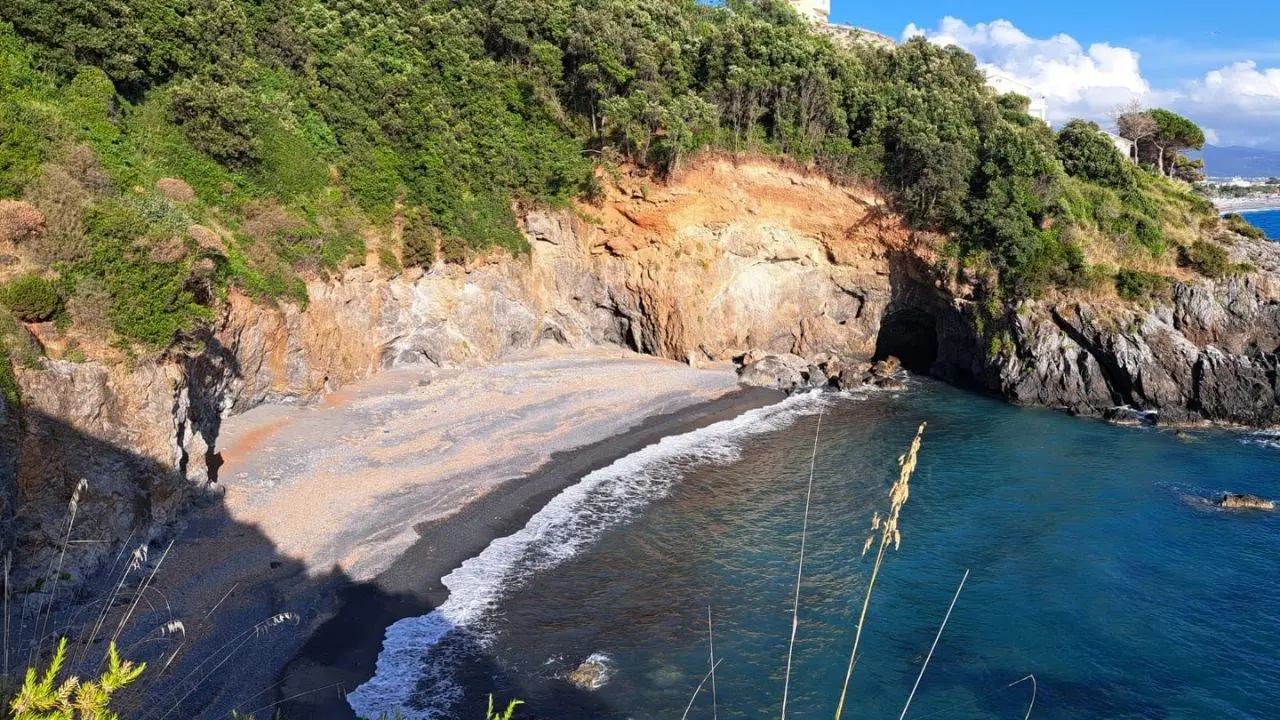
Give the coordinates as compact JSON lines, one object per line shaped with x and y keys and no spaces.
{"x":889,"y":533}
{"x":43,"y":698}
{"x":493,"y":714}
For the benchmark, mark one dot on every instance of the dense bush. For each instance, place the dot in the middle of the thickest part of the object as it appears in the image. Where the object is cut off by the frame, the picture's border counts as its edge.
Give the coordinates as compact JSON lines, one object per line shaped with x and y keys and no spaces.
{"x":325,"y":118}
{"x":31,"y":298}
{"x":419,"y":242}
{"x":1237,"y":223}
{"x":1143,"y":286}
{"x":1210,"y":260}
{"x":1088,"y":153}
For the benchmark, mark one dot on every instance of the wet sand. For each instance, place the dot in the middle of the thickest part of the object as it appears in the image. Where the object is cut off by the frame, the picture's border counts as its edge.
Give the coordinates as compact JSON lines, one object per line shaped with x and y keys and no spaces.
{"x":346,"y":514}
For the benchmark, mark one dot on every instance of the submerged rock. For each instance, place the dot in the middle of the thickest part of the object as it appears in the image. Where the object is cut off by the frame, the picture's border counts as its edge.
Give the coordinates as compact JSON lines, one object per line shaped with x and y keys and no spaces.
{"x":591,"y":674}
{"x":1236,"y":501}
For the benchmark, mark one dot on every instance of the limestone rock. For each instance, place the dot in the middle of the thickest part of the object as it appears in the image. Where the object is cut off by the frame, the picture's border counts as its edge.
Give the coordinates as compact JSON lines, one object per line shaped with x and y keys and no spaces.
{"x":1245,"y":502}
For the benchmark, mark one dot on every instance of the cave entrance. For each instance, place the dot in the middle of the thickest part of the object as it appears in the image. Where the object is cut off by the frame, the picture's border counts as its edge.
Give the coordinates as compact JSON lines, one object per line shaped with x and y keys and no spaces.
{"x":911,"y":335}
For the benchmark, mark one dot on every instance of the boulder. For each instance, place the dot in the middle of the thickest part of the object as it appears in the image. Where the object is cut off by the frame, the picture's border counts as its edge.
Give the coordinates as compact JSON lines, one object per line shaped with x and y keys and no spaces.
{"x":886,"y":367}
{"x":1236,"y":501}
{"x":781,"y":372}
{"x":590,"y":675}
{"x":890,"y":383}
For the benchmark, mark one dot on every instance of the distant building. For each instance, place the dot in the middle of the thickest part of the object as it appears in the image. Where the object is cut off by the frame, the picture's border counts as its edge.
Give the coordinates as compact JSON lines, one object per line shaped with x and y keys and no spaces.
{"x":1127,"y":147}
{"x":818,"y":13}
{"x":1001,"y":83}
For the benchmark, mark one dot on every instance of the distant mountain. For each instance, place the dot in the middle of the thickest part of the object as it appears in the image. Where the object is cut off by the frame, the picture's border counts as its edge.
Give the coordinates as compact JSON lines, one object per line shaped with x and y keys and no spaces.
{"x":1243,"y":162}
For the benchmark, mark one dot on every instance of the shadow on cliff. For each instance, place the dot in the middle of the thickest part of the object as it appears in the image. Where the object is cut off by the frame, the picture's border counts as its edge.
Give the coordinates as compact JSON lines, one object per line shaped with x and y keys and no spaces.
{"x":261,"y":633}
{"x":928,"y":331}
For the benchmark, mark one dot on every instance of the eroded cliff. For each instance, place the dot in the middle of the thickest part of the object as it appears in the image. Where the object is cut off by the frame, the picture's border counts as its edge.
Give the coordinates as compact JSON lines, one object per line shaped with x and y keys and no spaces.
{"x":733,"y":257}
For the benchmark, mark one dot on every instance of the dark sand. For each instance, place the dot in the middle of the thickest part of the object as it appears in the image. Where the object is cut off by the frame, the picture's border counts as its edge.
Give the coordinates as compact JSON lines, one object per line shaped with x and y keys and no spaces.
{"x":341,"y":652}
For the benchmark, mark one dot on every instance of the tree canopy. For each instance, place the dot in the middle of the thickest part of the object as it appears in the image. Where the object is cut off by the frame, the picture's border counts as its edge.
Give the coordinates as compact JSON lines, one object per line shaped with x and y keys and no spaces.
{"x":296,"y":120}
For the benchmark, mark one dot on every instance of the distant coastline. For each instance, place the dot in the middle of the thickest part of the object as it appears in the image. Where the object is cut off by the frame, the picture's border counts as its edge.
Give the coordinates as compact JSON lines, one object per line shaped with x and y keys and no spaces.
{"x":1247,"y":204}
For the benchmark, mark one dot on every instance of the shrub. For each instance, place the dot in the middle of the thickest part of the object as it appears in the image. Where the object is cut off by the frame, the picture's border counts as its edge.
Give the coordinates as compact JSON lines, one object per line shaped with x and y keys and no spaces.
{"x":454,"y":249}
{"x":1088,"y":153}
{"x":387,"y":260}
{"x":1237,"y":223}
{"x":1208,"y":259}
{"x":1139,"y":286}
{"x":218,"y":119}
{"x":175,"y":190}
{"x":63,"y":200}
{"x":19,"y":221}
{"x":44,"y":697}
{"x":31,"y":298}
{"x":88,"y":306}
{"x":419,"y":242}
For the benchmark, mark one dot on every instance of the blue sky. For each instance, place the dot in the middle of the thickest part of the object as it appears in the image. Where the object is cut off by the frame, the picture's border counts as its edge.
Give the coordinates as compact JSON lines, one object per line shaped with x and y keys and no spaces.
{"x":1217,"y":63}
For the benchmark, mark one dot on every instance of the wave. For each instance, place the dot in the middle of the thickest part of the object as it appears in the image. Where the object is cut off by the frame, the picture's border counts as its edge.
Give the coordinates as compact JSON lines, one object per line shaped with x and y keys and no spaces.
{"x":1265,"y":438}
{"x":412,"y":673}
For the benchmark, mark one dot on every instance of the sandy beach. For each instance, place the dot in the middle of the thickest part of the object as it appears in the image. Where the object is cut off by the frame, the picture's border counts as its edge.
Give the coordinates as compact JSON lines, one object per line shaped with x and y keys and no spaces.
{"x":341,"y":517}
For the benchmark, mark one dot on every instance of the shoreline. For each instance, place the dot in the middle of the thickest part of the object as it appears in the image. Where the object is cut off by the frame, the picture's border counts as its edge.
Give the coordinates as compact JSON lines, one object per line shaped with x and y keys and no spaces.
{"x":341,"y":653}
{"x":1245,"y":205}
{"x":340,"y":514}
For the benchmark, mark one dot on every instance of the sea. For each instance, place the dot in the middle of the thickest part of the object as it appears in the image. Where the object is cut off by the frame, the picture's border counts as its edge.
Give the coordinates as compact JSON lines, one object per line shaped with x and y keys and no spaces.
{"x":1268,"y":220}
{"x":1101,"y":582}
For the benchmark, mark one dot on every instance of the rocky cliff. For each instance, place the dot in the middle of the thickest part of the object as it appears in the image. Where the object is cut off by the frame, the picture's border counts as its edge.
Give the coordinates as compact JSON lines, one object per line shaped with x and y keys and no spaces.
{"x":731,"y":258}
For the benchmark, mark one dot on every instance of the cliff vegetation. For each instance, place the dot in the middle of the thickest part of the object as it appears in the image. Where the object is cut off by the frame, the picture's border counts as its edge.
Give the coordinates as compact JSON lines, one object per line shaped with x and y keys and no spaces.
{"x":156,"y":153}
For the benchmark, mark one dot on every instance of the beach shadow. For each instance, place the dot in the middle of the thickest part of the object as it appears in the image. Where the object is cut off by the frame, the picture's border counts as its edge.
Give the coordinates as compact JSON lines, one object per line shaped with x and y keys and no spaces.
{"x":260,"y":633}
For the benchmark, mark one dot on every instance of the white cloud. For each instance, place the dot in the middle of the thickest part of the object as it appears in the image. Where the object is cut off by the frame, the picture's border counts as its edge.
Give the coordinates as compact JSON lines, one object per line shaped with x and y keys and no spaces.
{"x":1076,"y":81}
{"x":1240,"y":102}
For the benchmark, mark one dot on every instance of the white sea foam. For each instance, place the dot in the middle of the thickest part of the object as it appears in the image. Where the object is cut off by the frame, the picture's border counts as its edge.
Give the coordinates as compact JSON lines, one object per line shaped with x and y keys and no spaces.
{"x":1265,"y":438}
{"x":412,"y":673}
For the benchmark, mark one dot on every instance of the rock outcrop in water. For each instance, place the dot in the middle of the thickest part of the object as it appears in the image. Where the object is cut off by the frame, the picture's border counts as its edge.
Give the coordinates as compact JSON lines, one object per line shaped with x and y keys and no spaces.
{"x":1245,"y":502}
{"x":733,"y":258}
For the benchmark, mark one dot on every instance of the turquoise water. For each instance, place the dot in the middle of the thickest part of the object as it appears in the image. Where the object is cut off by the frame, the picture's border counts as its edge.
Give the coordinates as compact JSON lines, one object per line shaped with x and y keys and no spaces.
{"x":1092,"y":568}
{"x":1268,"y":220}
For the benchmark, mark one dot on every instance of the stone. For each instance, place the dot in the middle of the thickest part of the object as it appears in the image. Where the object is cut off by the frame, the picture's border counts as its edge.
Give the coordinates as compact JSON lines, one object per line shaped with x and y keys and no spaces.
{"x":590,"y":675}
{"x":785,"y":372}
{"x":1245,"y":502}
{"x":891,"y":383}
{"x":886,"y":367}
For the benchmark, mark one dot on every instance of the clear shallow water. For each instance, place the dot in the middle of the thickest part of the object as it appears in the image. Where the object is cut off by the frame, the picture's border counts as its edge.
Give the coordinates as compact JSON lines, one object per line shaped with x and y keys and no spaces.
{"x":1089,"y":569}
{"x":1268,"y":220}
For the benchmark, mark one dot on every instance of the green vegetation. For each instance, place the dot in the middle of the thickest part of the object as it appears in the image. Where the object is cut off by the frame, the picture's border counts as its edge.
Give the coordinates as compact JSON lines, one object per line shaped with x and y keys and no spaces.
{"x":1088,"y":154}
{"x":1142,"y":286}
{"x":44,"y":697}
{"x":31,"y":298}
{"x":172,"y":149}
{"x":1237,"y":223}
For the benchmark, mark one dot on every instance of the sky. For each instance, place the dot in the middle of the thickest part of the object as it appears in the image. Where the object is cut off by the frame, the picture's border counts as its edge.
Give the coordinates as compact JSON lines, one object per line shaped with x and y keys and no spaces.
{"x":1218,"y":62}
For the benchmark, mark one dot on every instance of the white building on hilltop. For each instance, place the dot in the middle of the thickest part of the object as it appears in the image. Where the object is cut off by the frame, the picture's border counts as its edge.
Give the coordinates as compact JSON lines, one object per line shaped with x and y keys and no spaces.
{"x":818,"y":13}
{"x":815,"y":11}
{"x":1002,"y":83}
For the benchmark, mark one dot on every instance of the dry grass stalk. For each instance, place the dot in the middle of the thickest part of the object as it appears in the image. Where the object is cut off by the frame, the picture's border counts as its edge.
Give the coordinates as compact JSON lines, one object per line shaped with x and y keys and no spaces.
{"x":142,"y":590}
{"x":711,"y":642}
{"x":8,"y":564}
{"x":889,"y":532}
{"x":698,"y":690}
{"x":804,"y":535}
{"x":239,"y":641}
{"x":136,"y":558}
{"x":933,"y":647}
{"x":1034,"y":688}
{"x":73,"y":507}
